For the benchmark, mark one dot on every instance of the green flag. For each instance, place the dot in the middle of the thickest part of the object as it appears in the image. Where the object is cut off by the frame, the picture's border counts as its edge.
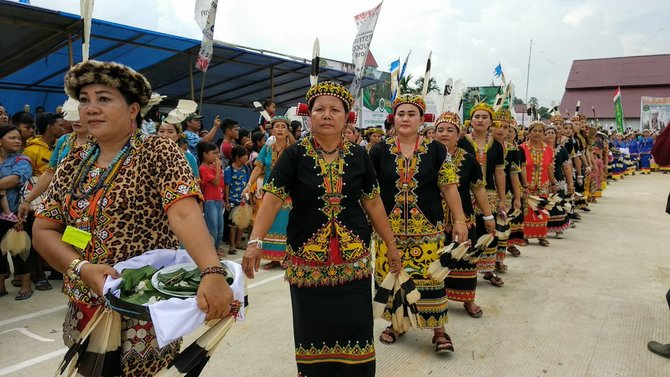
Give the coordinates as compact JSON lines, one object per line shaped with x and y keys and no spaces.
{"x":618,"y":110}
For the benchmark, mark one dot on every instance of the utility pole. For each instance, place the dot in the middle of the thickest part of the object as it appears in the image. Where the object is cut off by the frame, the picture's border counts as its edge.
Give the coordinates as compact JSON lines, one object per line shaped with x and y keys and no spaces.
{"x":525,"y":101}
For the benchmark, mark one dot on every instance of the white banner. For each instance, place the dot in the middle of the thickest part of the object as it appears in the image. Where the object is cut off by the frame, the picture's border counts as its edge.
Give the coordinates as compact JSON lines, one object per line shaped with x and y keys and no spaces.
{"x":366,"y":23}
{"x":205,"y":16}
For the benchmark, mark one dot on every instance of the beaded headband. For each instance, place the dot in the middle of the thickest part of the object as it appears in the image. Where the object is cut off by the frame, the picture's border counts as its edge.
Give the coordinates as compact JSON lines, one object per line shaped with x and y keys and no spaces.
{"x":536,"y":123}
{"x":373,"y":130}
{"x":503,"y":115}
{"x":449,"y":117}
{"x":330,"y":88}
{"x":280,"y":118}
{"x":482,"y":106}
{"x":556,"y":119}
{"x":411,"y":100}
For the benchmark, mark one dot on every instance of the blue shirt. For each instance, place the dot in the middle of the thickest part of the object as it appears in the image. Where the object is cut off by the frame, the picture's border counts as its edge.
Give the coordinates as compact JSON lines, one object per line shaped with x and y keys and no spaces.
{"x":19,"y":165}
{"x":192,"y":163}
{"x":236,"y":179}
{"x":192,"y":139}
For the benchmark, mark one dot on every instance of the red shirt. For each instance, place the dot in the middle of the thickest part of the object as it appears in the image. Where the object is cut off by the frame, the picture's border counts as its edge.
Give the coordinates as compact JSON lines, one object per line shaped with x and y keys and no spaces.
{"x":210,"y":191}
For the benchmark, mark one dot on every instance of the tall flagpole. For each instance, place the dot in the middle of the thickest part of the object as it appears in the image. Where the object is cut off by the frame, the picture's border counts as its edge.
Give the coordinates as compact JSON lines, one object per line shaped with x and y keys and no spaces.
{"x":525,"y":101}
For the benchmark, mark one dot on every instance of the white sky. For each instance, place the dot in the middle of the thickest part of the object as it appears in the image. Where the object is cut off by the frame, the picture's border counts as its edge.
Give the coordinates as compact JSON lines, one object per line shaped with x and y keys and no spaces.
{"x":467,"y":37}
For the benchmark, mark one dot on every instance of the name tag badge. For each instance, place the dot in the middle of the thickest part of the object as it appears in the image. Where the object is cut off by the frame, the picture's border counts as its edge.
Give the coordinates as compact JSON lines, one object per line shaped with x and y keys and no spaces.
{"x":76,"y":237}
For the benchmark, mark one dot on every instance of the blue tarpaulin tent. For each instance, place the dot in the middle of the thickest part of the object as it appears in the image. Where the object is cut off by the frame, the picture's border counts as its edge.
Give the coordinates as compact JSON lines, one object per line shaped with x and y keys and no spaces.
{"x":39,"y":45}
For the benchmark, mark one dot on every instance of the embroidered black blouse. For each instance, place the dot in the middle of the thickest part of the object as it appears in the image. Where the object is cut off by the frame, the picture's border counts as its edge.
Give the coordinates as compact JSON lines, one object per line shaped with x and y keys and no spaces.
{"x":326,"y":210}
{"x":492,"y":158}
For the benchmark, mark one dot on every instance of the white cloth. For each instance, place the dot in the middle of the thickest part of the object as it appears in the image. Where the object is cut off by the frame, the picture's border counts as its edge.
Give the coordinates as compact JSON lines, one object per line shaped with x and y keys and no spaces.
{"x":176,"y":317}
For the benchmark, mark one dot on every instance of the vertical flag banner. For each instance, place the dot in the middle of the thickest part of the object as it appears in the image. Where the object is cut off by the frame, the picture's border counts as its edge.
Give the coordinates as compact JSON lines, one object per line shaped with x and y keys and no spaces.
{"x":618,"y":110}
{"x":205,"y":16}
{"x":86,"y":11}
{"x":366,"y":23}
{"x":395,"y":78}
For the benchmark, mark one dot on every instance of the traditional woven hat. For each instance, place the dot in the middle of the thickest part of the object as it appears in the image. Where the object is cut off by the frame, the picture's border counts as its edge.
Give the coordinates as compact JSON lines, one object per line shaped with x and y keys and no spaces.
{"x":71,"y":110}
{"x":536,"y":123}
{"x":132,"y":84}
{"x":280,"y":118}
{"x":330,"y":88}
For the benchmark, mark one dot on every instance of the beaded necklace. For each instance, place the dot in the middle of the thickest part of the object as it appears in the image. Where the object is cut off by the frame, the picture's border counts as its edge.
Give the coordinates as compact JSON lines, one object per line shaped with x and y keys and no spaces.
{"x":78,"y":190}
{"x":332,"y":184}
{"x":90,"y":197}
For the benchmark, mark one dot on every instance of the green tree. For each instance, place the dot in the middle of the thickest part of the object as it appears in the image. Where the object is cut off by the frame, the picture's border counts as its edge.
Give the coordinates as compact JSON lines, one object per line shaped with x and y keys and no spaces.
{"x":532,"y":101}
{"x":432,"y":85}
{"x":517,"y":101}
{"x":410,"y":86}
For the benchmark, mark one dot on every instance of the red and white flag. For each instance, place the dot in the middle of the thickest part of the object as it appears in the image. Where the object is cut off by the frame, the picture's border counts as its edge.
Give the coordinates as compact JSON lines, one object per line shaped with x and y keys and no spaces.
{"x":205,"y":16}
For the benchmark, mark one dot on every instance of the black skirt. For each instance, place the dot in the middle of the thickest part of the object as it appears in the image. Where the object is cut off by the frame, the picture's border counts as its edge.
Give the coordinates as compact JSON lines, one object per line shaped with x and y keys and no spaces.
{"x":333,"y":329}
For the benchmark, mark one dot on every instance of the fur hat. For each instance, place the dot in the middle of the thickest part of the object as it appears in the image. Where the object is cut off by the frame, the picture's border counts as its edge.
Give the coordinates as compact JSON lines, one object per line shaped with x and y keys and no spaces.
{"x":133,"y":85}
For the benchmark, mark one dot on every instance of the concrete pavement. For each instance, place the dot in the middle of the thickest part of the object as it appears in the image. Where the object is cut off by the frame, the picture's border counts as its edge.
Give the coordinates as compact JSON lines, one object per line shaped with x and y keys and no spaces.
{"x":586,"y":306}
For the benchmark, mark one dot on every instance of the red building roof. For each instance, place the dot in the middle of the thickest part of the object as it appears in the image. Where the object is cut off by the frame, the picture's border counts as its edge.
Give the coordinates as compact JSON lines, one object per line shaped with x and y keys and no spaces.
{"x":594,"y":81}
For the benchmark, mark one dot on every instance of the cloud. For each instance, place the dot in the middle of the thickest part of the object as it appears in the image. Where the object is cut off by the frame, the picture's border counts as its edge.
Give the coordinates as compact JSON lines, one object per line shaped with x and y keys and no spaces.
{"x":577,"y":15}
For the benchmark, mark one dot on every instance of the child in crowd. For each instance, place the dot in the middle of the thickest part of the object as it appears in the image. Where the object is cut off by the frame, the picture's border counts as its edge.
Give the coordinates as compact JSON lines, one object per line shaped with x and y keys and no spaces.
{"x":236,"y":177}
{"x":231,"y":131}
{"x":212,"y":185}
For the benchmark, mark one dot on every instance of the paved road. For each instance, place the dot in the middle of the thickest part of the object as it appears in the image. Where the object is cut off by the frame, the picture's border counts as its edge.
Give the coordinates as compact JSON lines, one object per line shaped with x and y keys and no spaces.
{"x":586,"y":306}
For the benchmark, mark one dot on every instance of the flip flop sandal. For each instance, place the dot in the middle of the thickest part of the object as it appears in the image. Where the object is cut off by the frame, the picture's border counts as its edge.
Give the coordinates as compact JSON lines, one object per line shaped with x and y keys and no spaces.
{"x":501,"y":267}
{"x":23,"y":296}
{"x":476,"y":314}
{"x":544,"y":242}
{"x":443,"y":346}
{"x":494,"y":279}
{"x":16,"y":283}
{"x":43,"y":285}
{"x":391,"y":334}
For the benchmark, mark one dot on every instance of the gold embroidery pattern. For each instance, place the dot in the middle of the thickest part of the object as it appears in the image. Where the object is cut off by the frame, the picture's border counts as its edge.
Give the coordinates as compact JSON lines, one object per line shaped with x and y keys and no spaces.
{"x":280,"y":192}
{"x":375,"y":192}
{"x":334,"y":274}
{"x":349,"y":354}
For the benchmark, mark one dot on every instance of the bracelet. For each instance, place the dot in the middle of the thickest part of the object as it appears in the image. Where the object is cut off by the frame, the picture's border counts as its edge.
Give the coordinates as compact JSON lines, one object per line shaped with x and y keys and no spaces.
{"x":390,"y":243}
{"x":459,"y":222}
{"x":213,"y":270}
{"x":489,"y":217}
{"x":74,"y":269}
{"x":257,"y":241}
{"x":77,"y":268}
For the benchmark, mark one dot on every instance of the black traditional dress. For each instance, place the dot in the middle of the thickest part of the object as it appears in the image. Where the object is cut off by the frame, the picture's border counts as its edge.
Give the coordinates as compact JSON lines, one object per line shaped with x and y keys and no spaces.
{"x":516,"y":236}
{"x":579,"y":148}
{"x":558,"y":217}
{"x":511,"y":167}
{"x":461,"y":283}
{"x":328,"y":258}
{"x":410,"y":190}
{"x":491,"y":156}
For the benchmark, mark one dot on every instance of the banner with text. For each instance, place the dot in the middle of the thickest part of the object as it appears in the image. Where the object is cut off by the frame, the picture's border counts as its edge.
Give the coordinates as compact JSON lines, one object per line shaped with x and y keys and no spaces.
{"x":654,"y":113}
{"x":205,"y":16}
{"x":366,"y":23}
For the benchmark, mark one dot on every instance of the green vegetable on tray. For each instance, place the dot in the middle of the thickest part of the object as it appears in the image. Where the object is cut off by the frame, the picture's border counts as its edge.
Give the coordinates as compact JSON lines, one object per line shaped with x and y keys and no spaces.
{"x":136,"y":287}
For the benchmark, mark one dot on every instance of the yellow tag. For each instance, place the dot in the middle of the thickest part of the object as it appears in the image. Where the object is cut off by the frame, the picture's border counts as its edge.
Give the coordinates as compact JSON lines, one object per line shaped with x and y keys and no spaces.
{"x":76,"y":237}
